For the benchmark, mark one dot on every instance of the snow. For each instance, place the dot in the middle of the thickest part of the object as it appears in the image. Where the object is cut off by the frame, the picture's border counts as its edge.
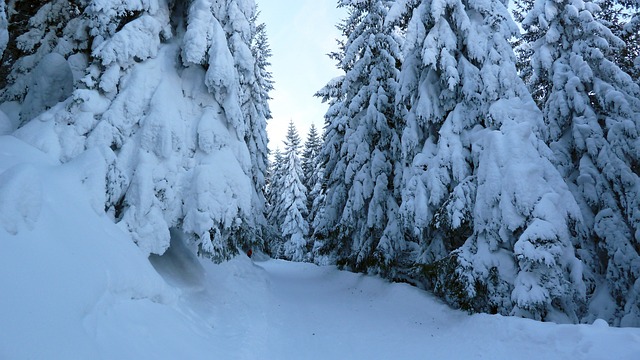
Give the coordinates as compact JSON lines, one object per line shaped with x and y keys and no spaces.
{"x":51,"y":82}
{"x":75,"y":286}
{"x":137,"y":41}
{"x":6,"y":125}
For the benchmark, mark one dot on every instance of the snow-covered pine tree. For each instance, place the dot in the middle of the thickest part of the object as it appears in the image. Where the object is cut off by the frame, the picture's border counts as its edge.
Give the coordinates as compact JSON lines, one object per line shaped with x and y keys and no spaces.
{"x":275,"y":212}
{"x":327,"y":158}
{"x":275,"y":175}
{"x":359,"y":222}
{"x":250,"y":50}
{"x":155,"y":103}
{"x":310,"y":162}
{"x":316,"y":193}
{"x":262,"y":53}
{"x":292,"y":200}
{"x":593,"y":115}
{"x":495,"y":218}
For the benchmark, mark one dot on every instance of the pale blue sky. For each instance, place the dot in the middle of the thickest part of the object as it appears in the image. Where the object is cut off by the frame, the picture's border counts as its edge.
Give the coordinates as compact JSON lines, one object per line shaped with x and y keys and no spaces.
{"x":301,"y":33}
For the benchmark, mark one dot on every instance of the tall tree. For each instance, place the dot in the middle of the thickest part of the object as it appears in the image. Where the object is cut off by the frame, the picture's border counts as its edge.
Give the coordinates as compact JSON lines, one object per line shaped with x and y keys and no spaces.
{"x":275,"y":213}
{"x":154,"y":90}
{"x":327,"y":159}
{"x":293,"y":199}
{"x":359,"y":223}
{"x":310,"y":164}
{"x":494,"y":217}
{"x":255,"y":88}
{"x":593,"y":115}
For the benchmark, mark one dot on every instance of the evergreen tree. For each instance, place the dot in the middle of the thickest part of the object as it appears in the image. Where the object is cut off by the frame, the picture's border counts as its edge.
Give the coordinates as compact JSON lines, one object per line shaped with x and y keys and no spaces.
{"x":275,"y":185}
{"x":494,"y":217}
{"x":256,"y":88}
{"x":327,"y":158}
{"x":316,"y":194}
{"x":155,"y":88}
{"x":275,"y":212}
{"x":593,"y":115}
{"x":293,"y":199}
{"x":359,"y":223}
{"x":310,"y":163}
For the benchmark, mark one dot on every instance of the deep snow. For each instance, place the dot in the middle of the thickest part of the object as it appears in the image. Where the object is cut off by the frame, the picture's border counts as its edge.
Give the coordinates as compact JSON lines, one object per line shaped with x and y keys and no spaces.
{"x":74,"y":286}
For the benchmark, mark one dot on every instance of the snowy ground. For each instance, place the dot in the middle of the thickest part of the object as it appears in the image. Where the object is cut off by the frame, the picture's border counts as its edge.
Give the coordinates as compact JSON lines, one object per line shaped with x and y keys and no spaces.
{"x":74,"y":286}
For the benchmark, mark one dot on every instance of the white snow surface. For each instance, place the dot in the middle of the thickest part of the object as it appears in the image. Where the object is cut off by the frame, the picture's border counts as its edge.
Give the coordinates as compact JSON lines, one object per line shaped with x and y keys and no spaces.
{"x":74,"y":286}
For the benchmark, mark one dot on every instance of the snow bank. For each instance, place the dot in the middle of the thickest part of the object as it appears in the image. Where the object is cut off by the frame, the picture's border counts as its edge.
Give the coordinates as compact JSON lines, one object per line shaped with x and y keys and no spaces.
{"x":74,"y":285}
{"x":6,"y":126}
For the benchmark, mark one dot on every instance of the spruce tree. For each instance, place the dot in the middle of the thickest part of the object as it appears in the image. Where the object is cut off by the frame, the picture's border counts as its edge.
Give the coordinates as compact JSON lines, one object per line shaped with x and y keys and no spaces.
{"x":593,"y":115}
{"x":310,"y":163}
{"x":494,"y":218}
{"x":275,"y":213}
{"x":293,"y":199}
{"x":327,"y":159}
{"x":255,"y":89}
{"x":358,"y":227}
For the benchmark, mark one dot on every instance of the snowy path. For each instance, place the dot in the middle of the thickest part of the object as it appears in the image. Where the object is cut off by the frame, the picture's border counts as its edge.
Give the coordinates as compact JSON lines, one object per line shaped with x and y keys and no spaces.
{"x":326,"y":314}
{"x":315,"y":312}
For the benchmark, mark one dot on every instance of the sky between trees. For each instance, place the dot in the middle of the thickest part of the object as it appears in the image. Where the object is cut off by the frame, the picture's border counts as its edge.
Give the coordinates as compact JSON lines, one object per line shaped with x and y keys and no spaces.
{"x":301,"y":33}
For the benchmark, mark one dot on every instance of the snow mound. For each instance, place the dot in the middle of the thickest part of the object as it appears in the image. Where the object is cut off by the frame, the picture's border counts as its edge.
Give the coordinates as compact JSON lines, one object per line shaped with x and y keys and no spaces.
{"x":6,"y":126}
{"x":74,"y":283}
{"x":20,"y":198}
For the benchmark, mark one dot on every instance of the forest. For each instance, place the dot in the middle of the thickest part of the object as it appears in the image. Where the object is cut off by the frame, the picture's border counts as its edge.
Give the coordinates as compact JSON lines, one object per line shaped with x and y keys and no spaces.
{"x":485,"y":151}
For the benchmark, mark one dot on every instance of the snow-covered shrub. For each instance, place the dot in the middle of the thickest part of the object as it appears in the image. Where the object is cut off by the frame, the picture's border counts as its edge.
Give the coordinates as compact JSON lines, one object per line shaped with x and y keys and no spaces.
{"x":358,"y":226}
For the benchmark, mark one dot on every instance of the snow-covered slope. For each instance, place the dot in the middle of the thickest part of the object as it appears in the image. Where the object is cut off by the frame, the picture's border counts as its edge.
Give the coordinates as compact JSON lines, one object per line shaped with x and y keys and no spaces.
{"x":74,"y":286}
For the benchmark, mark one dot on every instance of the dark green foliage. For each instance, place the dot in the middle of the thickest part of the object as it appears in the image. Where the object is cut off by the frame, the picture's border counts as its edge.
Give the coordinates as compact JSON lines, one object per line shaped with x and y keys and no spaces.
{"x":444,"y":279}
